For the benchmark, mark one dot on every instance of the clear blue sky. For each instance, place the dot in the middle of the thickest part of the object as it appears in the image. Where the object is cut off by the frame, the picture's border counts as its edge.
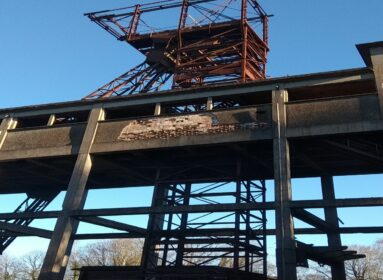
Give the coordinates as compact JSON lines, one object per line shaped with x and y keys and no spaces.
{"x":50,"y":52}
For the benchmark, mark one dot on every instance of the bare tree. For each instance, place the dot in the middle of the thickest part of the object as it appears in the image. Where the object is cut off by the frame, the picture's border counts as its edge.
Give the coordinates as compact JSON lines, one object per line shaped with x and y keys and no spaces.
{"x":125,"y":252}
{"x":369,"y":268}
{"x":121,"y":252}
{"x":30,"y":265}
{"x":112,"y":252}
{"x":9,"y":268}
{"x":95,"y":254}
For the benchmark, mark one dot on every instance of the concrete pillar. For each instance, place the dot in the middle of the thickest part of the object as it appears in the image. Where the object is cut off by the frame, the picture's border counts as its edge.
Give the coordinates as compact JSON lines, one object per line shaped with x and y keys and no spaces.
{"x":51,"y":120}
{"x":61,"y":243}
{"x":331,"y":216}
{"x":6,"y":124}
{"x":209,"y":104}
{"x":157,"y":109}
{"x":377,"y":64}
{"x":286,"y":247}
{"x":372,"y":54}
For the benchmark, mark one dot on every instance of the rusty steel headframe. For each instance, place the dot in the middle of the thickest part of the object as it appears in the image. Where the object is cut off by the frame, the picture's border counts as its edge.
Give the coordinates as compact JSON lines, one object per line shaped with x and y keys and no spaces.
{"x":228,"y":43}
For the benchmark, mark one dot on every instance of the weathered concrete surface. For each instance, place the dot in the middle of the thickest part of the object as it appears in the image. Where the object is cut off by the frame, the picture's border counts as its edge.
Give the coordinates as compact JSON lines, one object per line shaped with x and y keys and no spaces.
{"x":42,"y":142}
{"x":285,"y":245}
{"x":57,"y":256}
{"x":236,"y":125}
{"x":337,"y":111}
{"x":304,"y":118}
{"x":377,"y":62}
{"x":334,"y":116}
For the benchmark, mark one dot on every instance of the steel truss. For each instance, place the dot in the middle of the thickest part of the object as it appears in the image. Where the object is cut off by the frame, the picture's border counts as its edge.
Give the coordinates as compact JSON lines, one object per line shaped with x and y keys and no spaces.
{"x":140,"y":79}
{"x":32,"y":204}
{"x":177,"y":239}
{"x":221,"y":47}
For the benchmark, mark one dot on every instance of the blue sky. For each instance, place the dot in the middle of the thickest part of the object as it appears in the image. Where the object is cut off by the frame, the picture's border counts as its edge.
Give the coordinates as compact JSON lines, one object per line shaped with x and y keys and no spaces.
{"x":50,"y":52}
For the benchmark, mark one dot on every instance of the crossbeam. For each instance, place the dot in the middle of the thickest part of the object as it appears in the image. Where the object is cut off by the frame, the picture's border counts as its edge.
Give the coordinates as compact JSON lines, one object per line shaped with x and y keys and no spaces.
{"x":113,"y":224}
{"x":311,"y":219}
{"x":225,"y":207}
{"x":215,"y":232}
{"x":25,"y":230}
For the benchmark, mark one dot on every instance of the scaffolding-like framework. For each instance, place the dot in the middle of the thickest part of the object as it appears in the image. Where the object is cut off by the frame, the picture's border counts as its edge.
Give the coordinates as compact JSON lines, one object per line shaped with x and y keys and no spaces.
{"x":229,"y":239}
{"x":223,"y":46}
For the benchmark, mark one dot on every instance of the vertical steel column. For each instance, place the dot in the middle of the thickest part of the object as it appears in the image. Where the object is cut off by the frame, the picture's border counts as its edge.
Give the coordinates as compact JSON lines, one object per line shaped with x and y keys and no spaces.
{"x":181,"y":26}
{"x":183,"y":226}
{"x":248,"y":264}
{"x":134,"y":22}
{"x":265,"y":21}
{"x":149,"y":258}
{"x":264,"y":228}
{"x":169,"y":224}
{"x":331,"y":216}
{"x":61,"y":243}
{"x":286,"y":247}
{"x":237,"y":221}
{"x":244,"y":28}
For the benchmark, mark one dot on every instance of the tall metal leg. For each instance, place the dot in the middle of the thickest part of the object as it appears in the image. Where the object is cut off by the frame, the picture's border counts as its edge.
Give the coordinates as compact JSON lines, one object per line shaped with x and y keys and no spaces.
{"x":156,"y":222}
{"x":183,"y":226}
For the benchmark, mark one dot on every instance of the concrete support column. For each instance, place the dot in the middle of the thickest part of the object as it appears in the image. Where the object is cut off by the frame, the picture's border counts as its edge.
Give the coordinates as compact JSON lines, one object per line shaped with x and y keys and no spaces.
{"x":286,"y":247}
{"x":60,"y":246}
{"x":209,"y":104}
{"x":331,"y":216}
{"x":6,"y":124}
{"x":377,"y":64}
{"x":372,"y":54}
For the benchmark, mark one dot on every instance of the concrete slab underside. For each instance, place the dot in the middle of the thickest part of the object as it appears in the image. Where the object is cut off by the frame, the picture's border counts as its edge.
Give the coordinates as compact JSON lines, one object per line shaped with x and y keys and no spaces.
{"x":205,"y":163}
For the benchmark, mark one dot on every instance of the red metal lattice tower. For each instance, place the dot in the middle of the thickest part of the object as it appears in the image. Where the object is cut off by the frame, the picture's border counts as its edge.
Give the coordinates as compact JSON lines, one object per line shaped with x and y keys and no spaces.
{"x":222,"y":47}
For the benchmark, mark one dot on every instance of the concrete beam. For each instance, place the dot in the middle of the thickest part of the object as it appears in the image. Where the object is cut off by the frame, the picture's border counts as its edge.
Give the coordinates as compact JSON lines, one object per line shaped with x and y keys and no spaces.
{"x":340,"y":203}
{"x":345,"y":202}
{"x":216,"y":232}
{"x":26,"y":230}
{"x":334,"y":77}
{"x":311,"y":219}
{"x":113,"y":224}
{"x":225,"y":232}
